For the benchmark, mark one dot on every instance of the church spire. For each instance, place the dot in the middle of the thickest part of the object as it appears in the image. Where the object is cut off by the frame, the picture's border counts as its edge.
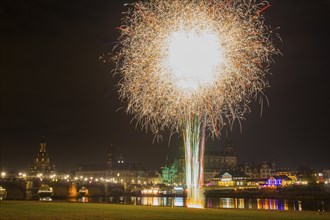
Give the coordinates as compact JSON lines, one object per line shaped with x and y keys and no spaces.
{"x":41,"y":163}
{"x":111,"y":157}
{"x":43,"y":144}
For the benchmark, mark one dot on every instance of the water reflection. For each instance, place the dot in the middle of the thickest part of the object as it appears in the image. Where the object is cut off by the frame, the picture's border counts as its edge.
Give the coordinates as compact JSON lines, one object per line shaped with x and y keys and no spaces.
{"x":45,"y":199}
{"x":268,"y":204}
{"x":178,"y":201}
{"x":148,"y":201}
{"x":273,"y":204}
{"x":83,"y":199}
{"x":162,"y":201}
{"x":299,"y":206}
{"x":227,"y":203}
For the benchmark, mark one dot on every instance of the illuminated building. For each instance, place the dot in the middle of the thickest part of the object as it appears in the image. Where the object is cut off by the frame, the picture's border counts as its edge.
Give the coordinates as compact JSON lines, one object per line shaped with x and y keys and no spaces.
{"x":287,"y":172}
{"x":115,"y":170}
{"x":279,"y":181}
{"x":214,"y":161}
{"x":42,"y":163}
{"x":92,"y":170}
{"x":111,"y":157}
{"x":170,"y":173}
{"x":326,"y":175}
{"x":230,"y":178}
{"x":263,"y":170}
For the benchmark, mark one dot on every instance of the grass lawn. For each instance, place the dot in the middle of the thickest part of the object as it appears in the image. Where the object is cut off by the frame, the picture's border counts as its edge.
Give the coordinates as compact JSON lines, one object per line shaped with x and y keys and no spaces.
{"x":34,"y":210}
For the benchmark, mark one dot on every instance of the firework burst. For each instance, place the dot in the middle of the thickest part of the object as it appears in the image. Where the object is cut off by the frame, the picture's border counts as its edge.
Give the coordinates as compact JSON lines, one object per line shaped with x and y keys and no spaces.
{"x":192,"y":66}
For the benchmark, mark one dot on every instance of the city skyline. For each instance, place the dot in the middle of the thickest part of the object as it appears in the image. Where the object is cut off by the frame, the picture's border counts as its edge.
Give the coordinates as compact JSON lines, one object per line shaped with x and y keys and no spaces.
{"x":53,"y":84}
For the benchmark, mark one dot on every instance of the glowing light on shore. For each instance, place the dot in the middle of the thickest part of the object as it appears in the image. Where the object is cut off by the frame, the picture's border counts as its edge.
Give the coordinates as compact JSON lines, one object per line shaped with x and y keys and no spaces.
{"x":192,"y":67}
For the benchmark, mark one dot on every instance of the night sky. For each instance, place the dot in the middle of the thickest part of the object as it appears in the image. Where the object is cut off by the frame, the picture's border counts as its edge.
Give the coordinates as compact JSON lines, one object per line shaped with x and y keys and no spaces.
{"x":54,"y":85}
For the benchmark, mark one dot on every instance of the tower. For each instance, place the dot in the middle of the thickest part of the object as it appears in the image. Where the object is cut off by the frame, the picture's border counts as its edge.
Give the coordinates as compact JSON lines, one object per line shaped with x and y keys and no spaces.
{"x":43,"y":145}
{"x":42,"y":163}
{"x":229,"y":155}
{"x":111,"y":157}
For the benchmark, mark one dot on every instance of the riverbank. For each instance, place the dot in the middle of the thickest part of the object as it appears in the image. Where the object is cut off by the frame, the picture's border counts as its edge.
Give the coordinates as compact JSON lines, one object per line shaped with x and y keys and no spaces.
{"x":33,"y":210}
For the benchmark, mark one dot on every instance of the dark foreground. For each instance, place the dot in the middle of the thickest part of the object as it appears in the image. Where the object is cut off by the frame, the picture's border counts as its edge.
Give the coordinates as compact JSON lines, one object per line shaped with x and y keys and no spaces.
{"x":33,"y":210}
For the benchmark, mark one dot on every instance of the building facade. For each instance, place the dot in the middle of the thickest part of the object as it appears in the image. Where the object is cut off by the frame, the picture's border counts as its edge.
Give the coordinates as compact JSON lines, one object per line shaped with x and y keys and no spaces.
{"x":230,"y":178}
{"x":258,"y":171}
{"x":115,"y":170}
{"x":42,"y":163}
{"x":214,"y":161}
{"x":170,"y":174}
{"x":279,"y":181}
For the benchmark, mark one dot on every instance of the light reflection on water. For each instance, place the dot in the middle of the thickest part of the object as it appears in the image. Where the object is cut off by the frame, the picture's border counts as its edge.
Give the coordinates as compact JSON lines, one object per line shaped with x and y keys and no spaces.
{"x":227,"y":203}
{"x":268,"y":204}
{"x":240,"y":203}
{"x":149,"y":201}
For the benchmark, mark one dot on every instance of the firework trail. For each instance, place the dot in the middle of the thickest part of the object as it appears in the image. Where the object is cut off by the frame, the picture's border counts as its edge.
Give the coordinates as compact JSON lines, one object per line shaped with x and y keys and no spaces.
{"x":192,"y":66}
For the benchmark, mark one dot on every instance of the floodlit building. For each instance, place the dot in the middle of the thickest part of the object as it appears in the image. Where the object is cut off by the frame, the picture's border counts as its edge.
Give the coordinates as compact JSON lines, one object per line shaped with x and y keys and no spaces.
{"x":170,"y":174}
{"x":230,"y":178}
{"x":214,"y":161}
{"x":115,"y":170}
{"x":279,"y":181}
{"x":264,"y":170}
{"x":287,"y":172}
{"x":41,"y":163}
{"x":326,"y":175}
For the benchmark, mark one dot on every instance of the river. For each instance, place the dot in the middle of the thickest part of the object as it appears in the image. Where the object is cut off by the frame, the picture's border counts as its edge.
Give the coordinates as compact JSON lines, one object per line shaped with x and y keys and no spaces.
{"x":212,"y":202}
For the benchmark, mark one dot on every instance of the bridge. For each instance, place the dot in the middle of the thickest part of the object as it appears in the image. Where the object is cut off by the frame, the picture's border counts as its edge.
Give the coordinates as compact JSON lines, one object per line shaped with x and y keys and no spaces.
{"x":19,"y":189}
